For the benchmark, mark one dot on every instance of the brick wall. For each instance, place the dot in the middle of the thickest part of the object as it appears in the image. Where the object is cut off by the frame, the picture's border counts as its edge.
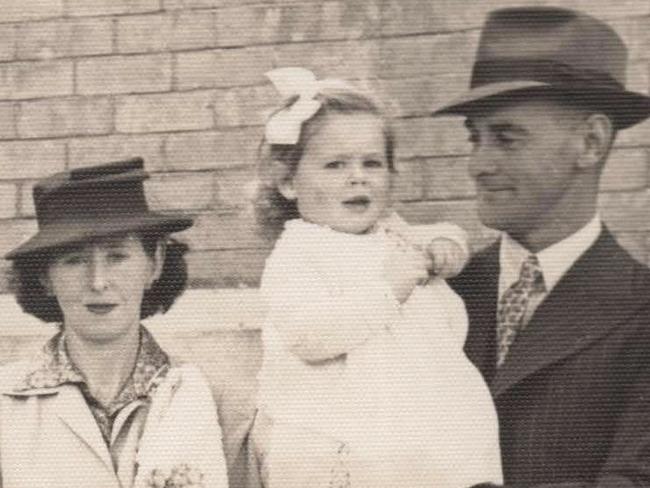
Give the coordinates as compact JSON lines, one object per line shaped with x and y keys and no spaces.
{"x":180,"y":83}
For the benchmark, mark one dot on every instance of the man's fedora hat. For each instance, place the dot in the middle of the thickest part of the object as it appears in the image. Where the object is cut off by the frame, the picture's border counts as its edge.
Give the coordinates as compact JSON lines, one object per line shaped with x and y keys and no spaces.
{"x":97,"y":201}
{"x":551,"y":50}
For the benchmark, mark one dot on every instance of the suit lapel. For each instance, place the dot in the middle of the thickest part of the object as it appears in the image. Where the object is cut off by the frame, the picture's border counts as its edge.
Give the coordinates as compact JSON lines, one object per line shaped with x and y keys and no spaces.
{"x":569,"y":320}
{"x":71,"y":408}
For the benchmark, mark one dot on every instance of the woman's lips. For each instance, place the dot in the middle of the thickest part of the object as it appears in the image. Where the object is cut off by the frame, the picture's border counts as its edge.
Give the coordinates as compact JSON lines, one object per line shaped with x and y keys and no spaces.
{"x":100,"y":308}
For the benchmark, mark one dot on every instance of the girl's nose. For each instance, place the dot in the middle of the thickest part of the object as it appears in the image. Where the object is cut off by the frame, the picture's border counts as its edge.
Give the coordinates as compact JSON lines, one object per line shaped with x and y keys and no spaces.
{"x":357,"y":173}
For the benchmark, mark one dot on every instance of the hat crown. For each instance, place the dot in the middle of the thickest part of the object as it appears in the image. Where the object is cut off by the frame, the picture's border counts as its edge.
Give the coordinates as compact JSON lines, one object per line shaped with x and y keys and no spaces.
{"x":575,"y":41}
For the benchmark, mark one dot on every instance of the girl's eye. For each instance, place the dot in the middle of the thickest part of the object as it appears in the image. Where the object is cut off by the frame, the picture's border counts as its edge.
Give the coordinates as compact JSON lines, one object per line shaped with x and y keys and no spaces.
{"x":334,"y":164}
{"x":374,"y":163}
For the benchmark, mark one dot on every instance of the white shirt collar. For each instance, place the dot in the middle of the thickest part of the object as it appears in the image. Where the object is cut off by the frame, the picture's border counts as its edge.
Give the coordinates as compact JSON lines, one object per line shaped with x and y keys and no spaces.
{"x":555,"y":260}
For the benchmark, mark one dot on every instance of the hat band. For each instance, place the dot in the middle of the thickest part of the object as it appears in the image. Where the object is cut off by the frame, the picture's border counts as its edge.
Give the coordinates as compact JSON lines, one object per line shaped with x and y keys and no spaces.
{"x":552,"y":72}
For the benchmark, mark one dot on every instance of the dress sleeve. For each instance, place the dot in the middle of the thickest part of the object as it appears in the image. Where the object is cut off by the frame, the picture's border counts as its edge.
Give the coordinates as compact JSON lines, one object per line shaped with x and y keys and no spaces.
{"x":324,"y":307}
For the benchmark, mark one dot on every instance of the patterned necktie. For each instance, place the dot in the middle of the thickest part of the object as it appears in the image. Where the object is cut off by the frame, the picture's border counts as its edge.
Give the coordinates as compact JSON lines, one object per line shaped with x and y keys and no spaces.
{"x":513,"y":304}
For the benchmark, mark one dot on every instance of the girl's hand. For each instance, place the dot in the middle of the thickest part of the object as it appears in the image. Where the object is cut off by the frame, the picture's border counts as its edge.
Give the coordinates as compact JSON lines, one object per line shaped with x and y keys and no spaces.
{"x":448,"y":258}
{"x":405,"y":267}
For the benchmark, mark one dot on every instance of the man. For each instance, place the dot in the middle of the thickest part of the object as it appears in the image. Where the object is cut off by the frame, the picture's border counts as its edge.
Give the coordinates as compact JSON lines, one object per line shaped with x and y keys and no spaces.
{"x":559,"y":312}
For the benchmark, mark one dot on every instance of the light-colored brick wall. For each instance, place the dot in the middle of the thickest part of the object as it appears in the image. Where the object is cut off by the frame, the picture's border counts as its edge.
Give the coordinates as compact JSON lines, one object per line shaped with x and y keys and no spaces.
{"x":180,"y":83}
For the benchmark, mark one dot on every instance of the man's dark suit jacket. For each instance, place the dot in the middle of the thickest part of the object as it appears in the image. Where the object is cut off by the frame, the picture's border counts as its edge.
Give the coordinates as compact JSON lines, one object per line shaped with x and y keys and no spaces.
{"x":573,"y":396}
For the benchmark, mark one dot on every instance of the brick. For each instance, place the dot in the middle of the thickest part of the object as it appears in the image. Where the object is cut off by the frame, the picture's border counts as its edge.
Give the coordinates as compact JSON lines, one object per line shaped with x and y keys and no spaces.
{"x":65,"y":117}
{"x":14,"y":232}
{"x":36,"y":79}
{"x":226,"y":269}
{"x":31,"y":159}
{"x":7,"y":121}
{"x":408,"y":182}
{"x":625,"y":211}
{"x":8,"y":200}
{"x":399,"y":17}
{"x":409,"y":57}
{"x":189,"y":4}
{"x":162,"y":32}
{"x":26,"y":199}
{"x":180,"y":191}
{"x":76,"y":8}
{"x":124,"y":74}
{"x":341,"y":59}
{"x":626,"y":169}
{"x":223,"y":68}
{"x":421,"y":95}
{"x":166,"y":112}
{"x":65,"y":37}
{"x":8,"y":44}
{"x":241,"y":107}
{"x":235,"y":188}
{"x":637,"y":135}
{"x":88,"y":151}
{"x":21,"y":10}
{"x":329,"y":20}
{"x":212,"y":150}
{"x":428,"y":136}
{"x":462,"y":212}
{"x":447,"y":179}
{"x":224,"y":230}
{"x":247,"y":25}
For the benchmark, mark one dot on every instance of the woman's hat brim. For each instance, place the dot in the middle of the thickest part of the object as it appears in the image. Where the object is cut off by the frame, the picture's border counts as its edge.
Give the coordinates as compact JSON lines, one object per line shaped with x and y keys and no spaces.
{"x":626,"y":108}
{"x":73,"y":232}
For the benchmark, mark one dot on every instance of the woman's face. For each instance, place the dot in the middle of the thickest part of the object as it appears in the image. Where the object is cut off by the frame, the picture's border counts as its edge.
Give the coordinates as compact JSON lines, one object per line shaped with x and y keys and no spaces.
{"x":99,"y":286}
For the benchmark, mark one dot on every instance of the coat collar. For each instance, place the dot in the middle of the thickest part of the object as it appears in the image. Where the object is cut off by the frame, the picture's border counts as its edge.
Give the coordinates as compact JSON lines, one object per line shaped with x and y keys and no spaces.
{"x":52,"y":368}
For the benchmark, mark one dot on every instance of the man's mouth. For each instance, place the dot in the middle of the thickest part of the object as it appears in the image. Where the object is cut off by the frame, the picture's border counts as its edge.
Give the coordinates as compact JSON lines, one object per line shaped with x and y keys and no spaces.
{"x":100,"y":308}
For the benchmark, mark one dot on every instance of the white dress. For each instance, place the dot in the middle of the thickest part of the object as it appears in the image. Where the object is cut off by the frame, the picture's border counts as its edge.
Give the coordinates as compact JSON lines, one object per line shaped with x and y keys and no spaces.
{"x":344,"y":359}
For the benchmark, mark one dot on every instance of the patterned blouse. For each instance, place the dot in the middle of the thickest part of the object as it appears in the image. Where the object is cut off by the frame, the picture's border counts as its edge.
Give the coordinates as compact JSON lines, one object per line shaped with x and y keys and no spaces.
{"x":55,"y":368}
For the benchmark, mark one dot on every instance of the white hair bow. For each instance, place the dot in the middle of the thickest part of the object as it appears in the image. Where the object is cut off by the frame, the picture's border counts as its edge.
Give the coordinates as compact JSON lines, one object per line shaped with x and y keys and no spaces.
{"x":284,"y":126}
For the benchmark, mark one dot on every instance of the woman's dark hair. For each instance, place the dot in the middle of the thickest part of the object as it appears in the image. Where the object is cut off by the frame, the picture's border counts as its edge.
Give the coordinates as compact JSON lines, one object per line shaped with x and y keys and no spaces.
{"x":26,"y":280}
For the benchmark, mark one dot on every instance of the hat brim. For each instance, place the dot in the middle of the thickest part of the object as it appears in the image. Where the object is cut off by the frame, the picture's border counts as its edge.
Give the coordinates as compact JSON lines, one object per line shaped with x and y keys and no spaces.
{"x":73,"y":232}
{"x":625,"y":107}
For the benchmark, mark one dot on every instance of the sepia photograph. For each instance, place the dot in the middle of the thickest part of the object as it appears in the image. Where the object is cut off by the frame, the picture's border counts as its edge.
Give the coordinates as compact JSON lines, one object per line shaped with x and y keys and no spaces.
{"x":324,"y":244}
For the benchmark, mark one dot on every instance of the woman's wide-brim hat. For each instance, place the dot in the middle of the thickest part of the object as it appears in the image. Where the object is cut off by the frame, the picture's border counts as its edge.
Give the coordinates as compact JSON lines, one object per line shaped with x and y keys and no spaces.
{"x":87,"y":203}
{"x":528,"y":50}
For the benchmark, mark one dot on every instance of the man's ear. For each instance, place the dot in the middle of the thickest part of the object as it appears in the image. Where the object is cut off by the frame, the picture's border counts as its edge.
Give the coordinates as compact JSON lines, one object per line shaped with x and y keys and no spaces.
{"x":597,"y":138}
{"x":286,"y":188}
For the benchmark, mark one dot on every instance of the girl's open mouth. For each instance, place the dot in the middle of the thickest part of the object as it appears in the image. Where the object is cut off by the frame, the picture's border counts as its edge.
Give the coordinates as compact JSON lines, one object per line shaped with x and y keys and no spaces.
{"x":100,"y":308}
{"x":357,"y":204}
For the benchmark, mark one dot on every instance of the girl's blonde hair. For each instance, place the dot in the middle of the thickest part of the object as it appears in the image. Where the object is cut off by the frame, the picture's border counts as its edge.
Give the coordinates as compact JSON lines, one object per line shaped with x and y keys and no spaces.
{"x":278,"y":162}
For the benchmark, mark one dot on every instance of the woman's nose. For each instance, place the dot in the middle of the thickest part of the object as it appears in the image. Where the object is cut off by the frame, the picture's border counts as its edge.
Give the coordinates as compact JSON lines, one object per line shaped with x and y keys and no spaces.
{"x":98,"y":274}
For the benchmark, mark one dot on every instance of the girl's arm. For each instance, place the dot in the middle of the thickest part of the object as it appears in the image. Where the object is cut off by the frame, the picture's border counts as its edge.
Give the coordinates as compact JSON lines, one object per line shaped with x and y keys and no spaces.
{"x":322,"y":314}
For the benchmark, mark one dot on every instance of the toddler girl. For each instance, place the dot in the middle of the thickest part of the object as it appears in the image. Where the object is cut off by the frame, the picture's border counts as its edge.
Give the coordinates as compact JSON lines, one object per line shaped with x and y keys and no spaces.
{"x":360,"y":344}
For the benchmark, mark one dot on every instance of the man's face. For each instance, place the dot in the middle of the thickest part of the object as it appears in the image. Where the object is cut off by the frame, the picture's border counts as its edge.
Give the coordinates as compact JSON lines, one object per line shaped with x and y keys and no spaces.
{"x":524,"y":163}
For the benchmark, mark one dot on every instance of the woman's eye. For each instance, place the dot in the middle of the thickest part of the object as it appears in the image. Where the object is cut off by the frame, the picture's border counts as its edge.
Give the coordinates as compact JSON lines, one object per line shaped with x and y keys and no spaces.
{"x":334,"y":164}
{"x":117,"y":257}
{"x":374,"y":163}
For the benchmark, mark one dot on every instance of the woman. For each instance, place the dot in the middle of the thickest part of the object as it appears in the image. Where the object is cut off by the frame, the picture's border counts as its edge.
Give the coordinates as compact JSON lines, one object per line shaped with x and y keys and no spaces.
{"x":103,"y":405}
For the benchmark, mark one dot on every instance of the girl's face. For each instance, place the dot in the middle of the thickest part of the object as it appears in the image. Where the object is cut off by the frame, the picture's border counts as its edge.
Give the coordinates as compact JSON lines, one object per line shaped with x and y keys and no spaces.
{"x":343,"y":180}
{"x":100,"y":285}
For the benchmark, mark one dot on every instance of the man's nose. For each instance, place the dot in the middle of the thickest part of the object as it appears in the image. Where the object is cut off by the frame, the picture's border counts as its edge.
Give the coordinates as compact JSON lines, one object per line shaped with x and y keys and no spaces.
{"x":483,"y":160}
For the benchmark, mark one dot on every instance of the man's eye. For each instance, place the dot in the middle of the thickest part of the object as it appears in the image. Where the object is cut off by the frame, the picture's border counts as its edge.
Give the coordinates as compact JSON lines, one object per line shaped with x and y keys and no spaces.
{"x":505,"y":139}
{"x":334,"y":164}
{"x":473,"y":138}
